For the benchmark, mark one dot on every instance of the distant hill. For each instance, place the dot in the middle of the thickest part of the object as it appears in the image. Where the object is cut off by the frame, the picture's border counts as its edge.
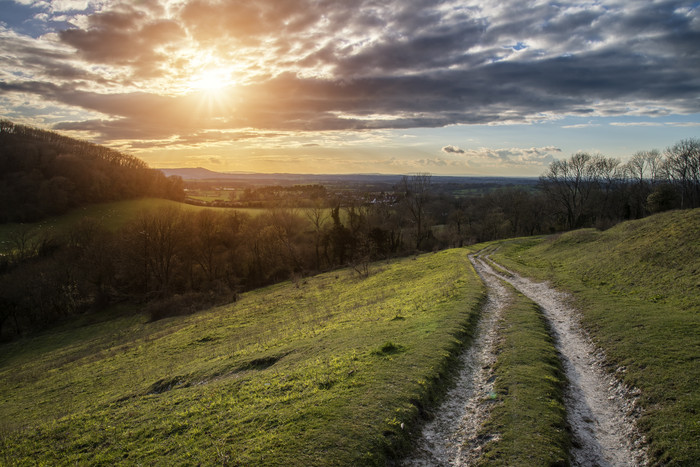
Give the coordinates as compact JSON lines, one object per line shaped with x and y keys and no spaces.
{"x":197,"y":173}
{"x":202,"y":174}
{"x":43,"y":173}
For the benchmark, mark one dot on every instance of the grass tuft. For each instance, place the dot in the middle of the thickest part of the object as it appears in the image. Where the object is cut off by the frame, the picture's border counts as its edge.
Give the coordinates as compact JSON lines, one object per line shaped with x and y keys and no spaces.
{"x":389,"y":348}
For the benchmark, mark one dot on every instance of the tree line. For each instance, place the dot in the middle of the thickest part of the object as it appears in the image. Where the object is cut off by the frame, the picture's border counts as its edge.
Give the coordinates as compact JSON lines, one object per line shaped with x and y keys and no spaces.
{"x":43,"y":173}
{"x":174,"y":261}
{"x":598,"y":191}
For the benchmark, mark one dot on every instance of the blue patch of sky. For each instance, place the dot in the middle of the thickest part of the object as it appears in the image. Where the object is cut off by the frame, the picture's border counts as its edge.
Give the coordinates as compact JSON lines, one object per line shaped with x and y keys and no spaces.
{"x":23,"y":19}
{"x":20,"y":18}
{"x":518,"y":46}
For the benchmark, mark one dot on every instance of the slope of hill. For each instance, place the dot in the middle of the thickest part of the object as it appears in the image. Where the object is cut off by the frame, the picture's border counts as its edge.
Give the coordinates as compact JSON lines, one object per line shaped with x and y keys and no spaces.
{"x":43,"y":173}
{"x":638,"y":288}
{"x":111,"y":215}
{"x":331,"y":370}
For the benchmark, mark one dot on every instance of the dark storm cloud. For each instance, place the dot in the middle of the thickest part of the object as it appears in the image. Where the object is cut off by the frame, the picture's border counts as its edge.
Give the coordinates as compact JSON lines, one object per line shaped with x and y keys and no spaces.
{"x":362,"y":64}
{"x":453,"y":150}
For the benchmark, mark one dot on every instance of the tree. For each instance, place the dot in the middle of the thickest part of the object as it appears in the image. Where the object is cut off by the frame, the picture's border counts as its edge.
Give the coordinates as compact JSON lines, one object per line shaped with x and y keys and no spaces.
{"x":682,"y":168}
{"x":206,"y":244}
{"x":416,"y":193}
{"x":338,"y":240}
{"x":154,"y":241}
{"x":317,"y":215}
{"x":609,"y":177}
{"x":643,"y":170}
{"x":569,"y":184}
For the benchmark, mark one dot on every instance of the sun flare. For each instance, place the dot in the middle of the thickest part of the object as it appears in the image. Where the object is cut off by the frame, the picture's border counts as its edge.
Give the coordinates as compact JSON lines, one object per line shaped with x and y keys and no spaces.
{"x":211,"y":80}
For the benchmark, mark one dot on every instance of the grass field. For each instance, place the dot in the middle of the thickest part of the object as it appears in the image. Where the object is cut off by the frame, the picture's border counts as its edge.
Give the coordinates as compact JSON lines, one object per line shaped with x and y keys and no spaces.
{"x":333,"y":370}
{"x":111,"y":215}
{"x":638,"y":287}
{"x":211,"y":195}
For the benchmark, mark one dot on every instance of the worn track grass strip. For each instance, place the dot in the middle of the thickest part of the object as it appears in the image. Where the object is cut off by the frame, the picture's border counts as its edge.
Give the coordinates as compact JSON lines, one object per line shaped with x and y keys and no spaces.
{"x":638,"y":286}
{"x":527,"y":425}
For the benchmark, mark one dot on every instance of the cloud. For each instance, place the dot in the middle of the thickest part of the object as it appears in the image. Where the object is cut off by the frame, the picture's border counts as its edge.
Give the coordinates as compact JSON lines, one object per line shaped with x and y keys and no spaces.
{"x":125,"y":36}
{"x":581,"y":125}
{"x":655,"y":124}
{"x":453,"y":150}
{"x":481,"y":157}
{"x":623,"y":124}
{"x":353,"y":65}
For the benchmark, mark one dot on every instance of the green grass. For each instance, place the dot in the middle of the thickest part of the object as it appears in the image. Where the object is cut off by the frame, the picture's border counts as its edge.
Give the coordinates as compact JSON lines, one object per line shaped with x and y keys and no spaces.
{"x":111,"y":215}
{"x":324,"y":372}
{"x":528,"y":421}
{"x":638,"y":286}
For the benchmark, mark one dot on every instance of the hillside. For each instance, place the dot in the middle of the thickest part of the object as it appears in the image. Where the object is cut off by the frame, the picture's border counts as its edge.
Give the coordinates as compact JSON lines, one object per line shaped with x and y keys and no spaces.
{"x":328,"y":370}
{"x":111,"y":215}
{"x":638,"y":288}
{"x":655,"y":259}
{"x":340,"y":369}
{"x":43,"y":173}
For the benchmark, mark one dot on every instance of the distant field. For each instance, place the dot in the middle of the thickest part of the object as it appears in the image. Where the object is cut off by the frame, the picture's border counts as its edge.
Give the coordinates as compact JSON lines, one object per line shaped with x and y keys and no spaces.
{"x":638,"y":286}
{"x":211,"y":195}
{"x":112,"y":215}
{"x":330,"y":370}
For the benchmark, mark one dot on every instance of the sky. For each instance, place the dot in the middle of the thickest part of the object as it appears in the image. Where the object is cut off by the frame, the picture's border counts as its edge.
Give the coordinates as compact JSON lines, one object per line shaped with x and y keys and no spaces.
{"x":468,"y":87}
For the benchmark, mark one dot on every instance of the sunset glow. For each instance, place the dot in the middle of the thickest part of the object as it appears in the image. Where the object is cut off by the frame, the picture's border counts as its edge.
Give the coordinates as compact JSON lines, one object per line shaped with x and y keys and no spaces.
{"x":211,"y":81}
{"x":446,"y":86}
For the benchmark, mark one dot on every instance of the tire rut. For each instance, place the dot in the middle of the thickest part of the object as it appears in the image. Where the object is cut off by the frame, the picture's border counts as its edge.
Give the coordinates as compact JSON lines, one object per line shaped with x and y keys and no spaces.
{"x":599,"y":408}
{"x":452,"y":436}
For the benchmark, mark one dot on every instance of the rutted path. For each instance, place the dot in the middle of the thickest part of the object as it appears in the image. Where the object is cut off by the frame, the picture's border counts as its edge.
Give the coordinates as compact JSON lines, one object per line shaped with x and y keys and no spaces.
{"x":598,"y":407}
{"x":451,"y":438}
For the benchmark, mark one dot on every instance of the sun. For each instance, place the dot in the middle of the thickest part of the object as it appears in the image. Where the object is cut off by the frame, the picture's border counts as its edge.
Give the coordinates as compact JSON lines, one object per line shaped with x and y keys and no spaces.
{"x":211,"y":80}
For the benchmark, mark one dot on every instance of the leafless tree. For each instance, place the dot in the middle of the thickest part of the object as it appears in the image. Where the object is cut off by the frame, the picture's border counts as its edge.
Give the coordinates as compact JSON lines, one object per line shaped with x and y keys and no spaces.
{"x":317,"y":215}
{"x":682,"y":167}
{"x":416,"y":192}
{"x":569,"y":183}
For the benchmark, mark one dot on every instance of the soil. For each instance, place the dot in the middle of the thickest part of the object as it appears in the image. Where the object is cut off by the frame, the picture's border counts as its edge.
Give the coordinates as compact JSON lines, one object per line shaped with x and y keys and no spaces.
{"x":600,"y":410}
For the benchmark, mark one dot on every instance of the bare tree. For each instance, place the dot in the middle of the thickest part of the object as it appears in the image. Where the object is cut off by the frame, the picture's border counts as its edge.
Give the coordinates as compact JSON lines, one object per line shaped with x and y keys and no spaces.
{"x":644,"y":166}
{"x":159,"y":239}
{"x":317,"y":215}
{"x":643,"y":170}
{"x":682,"y":167}
{"x":416,"y":193}
{"x":569,"y":184}
{"x":206,"y":244}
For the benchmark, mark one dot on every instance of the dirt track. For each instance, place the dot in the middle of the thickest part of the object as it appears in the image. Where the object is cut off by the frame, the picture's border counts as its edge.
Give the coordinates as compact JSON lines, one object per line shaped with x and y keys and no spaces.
{"x":599,"y":409}
{"x":451,"y":437}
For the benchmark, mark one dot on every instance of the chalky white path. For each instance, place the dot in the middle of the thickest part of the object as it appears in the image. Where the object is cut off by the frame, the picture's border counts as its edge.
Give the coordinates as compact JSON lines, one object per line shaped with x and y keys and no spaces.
{"x":451,"y":437}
